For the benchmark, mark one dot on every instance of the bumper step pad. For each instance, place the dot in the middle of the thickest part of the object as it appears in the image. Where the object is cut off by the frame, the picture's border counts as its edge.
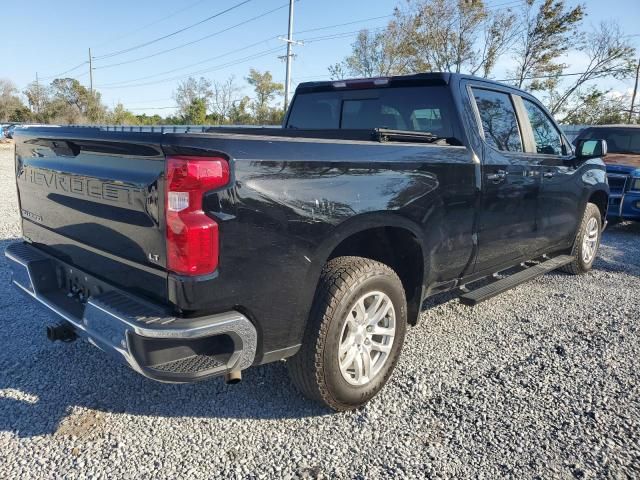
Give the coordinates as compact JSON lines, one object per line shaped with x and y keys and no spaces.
{"x":193,"y":365}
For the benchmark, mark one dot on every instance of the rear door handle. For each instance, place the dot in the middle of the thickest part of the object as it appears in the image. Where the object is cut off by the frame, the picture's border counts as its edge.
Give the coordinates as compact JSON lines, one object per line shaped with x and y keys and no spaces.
{"x":548,"y":174}
{"x":497,"y":177}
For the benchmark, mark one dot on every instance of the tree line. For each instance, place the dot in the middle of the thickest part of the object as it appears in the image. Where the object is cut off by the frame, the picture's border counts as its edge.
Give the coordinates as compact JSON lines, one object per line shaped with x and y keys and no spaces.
{"x":199,"y":102}
{"x":464,"y":36}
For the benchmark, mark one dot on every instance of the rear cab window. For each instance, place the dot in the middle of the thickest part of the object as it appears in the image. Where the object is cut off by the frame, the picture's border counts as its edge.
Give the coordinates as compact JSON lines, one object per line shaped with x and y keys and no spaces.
{"x":418,"y":109}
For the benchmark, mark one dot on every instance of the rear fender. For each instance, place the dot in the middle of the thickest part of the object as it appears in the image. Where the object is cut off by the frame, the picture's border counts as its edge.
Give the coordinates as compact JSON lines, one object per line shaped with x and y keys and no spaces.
{"x":343,"y":231}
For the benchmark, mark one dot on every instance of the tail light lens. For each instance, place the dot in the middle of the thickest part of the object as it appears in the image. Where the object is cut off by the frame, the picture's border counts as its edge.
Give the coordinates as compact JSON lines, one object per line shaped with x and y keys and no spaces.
{"x":192,"y":236}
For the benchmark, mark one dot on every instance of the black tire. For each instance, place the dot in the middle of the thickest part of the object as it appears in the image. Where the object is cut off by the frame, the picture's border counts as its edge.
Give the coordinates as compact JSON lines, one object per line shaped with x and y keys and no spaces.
{"x":579,"y":265}
{"x":315,"y":369}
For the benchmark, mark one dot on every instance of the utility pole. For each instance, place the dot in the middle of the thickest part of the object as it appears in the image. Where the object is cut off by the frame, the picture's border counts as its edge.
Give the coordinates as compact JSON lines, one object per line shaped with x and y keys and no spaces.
{"x":90,"y":73}
{"x":635,"y":92}
{"x":289,"y":56}
{"x":38,"y":97}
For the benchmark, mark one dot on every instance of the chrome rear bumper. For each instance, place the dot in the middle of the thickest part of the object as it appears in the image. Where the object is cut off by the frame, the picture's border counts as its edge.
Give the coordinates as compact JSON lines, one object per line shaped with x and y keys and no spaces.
{"x":142,"y":334}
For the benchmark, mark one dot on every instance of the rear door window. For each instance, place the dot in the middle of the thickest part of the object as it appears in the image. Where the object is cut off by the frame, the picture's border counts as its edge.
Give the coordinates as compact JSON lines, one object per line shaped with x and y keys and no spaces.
{"x":499,"y":120}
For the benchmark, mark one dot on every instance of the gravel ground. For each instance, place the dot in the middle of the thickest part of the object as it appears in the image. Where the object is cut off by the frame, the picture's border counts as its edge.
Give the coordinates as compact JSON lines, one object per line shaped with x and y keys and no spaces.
{"x":541,"y":381}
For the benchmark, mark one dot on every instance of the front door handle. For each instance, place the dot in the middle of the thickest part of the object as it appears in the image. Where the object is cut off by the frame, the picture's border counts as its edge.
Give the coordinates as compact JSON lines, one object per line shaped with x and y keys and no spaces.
{"x":497,"y":177}
{"x":548,"y":174}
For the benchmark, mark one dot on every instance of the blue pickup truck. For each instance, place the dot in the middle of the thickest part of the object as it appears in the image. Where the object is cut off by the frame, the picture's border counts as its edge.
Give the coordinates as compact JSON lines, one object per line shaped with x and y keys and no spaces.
{"x":623,"y":168}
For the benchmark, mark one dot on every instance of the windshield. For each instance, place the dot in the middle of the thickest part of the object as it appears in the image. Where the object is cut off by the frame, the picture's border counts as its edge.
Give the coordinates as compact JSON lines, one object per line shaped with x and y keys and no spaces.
{"x":618,"y":140}
{"x":416,"y":109}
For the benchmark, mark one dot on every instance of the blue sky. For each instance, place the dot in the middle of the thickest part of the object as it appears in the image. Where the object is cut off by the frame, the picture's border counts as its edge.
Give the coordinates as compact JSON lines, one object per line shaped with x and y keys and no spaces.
{"x":51,"y":37}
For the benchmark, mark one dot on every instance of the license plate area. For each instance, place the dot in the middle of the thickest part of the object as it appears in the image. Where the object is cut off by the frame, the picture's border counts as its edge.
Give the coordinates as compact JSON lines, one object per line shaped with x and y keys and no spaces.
{"x":76,"y":285}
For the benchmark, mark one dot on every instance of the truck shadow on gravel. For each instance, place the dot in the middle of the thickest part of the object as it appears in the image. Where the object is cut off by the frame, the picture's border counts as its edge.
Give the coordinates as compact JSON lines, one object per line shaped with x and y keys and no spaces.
{"x":40,"y":392}
{"x":45,"y":386}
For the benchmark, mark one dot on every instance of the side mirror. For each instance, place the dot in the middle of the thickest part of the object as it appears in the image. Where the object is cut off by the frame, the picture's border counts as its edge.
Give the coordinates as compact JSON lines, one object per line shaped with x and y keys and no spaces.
{"x":586,"y":149}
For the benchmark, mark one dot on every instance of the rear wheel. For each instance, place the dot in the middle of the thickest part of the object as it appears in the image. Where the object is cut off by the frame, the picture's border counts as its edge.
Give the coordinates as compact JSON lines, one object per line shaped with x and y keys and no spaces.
{"x":587,"y":241}
{"x":354,"y":334}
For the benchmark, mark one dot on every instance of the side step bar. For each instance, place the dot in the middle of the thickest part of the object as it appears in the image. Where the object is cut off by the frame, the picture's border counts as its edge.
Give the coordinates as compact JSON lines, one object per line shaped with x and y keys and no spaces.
{"x":495,"y":288}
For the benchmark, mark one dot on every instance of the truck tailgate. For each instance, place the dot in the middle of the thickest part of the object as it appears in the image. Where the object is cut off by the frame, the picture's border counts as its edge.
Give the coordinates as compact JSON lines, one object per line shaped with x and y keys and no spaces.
{"x":95,"y":200}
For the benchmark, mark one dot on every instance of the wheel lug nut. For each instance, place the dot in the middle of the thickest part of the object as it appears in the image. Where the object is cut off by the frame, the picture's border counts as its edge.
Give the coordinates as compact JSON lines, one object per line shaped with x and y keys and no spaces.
{"x":367,"y":341}
{"x":369,"y":329}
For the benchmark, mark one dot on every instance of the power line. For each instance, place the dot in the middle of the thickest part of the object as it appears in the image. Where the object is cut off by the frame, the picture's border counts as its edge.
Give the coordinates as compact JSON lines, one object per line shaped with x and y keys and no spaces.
{"x":505,"y":5}
{"x":160,"y":20}
{"x":152,"y":108}
{"x":311,"y":77}
{"x":339,"y":35}
{"x":345,"y":24}
{"x":312,"y":39}
{"x":231,"y":52}
{"x":126,"y":84}
{"x":123,"y":36}
{"x":217,"y":57}
{"x":217,"y":67}
{"x":573,"y":74}
{"x":126,"y":62}
{"x":149,"y":101}
{"x":65,"y":72}
{"x":226,"y":30}
{"x":135,"y":47}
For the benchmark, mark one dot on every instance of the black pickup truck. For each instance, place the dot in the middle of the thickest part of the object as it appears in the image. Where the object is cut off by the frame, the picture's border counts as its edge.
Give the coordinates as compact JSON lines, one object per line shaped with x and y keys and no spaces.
{"x":194,"y":255}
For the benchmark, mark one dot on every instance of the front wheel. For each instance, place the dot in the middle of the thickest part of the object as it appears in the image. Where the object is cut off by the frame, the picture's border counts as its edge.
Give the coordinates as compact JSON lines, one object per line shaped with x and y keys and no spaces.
{"x":587,"y":241}
{"x":354,"y":334}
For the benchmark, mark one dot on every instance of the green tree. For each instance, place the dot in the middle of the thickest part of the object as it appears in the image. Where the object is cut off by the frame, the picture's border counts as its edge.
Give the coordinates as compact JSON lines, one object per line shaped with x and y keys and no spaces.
{"x":275,"y":117}
{"x":20,"y":114}
{"x":461,"y":36}
{"x":597,"y":107}
{"x":173,"y":120}
{"x":609,"y":54}
{"x":428,"y":35}
{"x":71,"y":102}
{"x":11,"y":107}
{"x":266,"y":91}
{"x":372,"y":55}
{"x":38,"y":98}
{"x":550,"y":29}
{"x":196,"y":113}
{"x":224,"y":96}
{"x":145,"y":119}
{"x":189,"y":90}
{"x":121,"y":116}
{"x":240,"y":114}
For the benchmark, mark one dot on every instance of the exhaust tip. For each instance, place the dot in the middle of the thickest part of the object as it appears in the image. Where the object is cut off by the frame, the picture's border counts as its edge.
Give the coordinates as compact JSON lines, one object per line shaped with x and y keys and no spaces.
{"x":63,"y":332}
{"x":232,"y":378}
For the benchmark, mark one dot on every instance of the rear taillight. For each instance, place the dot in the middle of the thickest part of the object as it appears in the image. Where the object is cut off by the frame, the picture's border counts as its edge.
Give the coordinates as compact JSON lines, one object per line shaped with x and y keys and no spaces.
{"x":192,"y":236}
